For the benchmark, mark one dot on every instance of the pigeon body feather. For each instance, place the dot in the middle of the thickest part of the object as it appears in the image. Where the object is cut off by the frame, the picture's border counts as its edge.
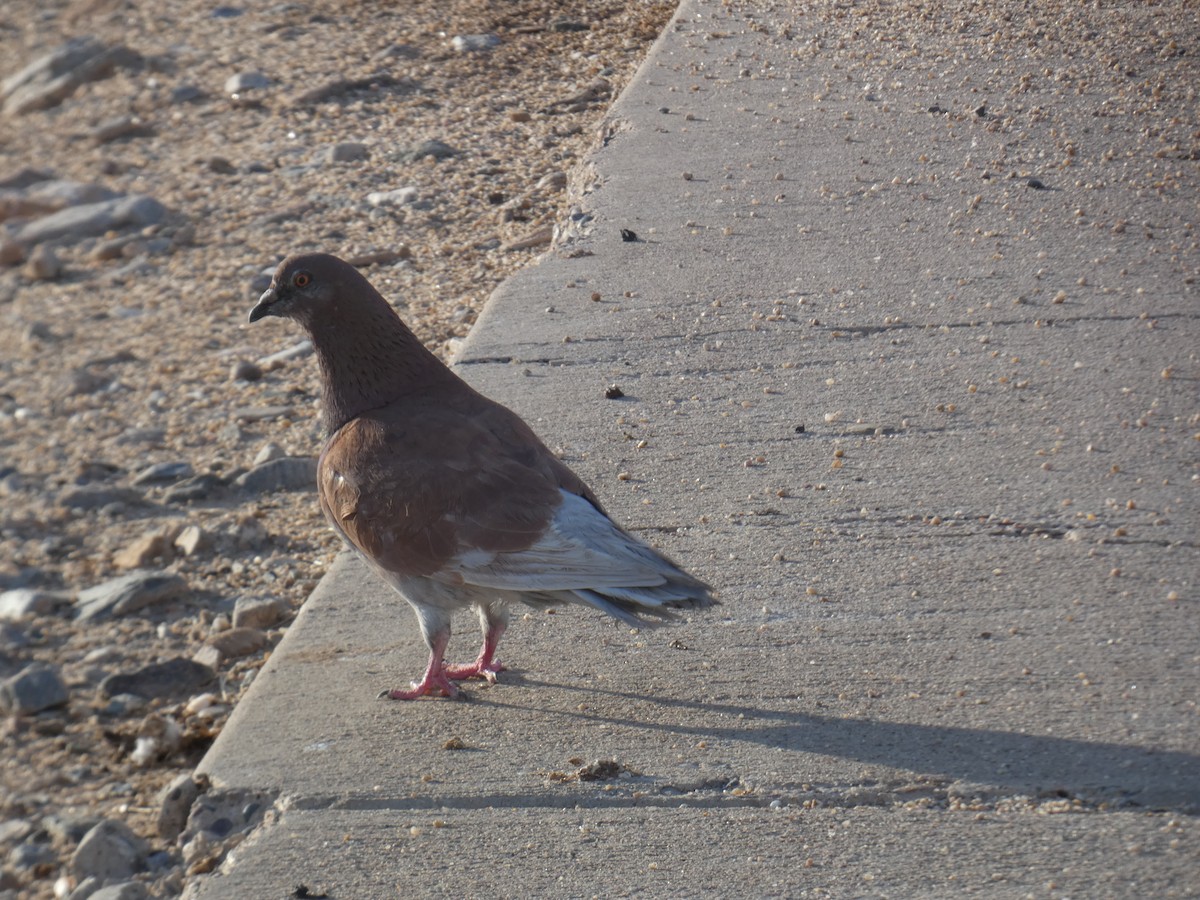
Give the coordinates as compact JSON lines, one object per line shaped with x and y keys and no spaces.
{"x":448,"y":495}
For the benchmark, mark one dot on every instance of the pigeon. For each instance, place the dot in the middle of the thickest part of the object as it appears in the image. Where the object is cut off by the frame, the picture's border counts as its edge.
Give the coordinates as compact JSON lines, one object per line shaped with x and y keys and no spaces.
{"x":449,"y":496}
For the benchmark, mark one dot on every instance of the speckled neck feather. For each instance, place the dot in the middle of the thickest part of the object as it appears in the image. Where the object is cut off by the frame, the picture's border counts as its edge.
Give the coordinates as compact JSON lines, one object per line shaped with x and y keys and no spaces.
{"x":368,"y":356}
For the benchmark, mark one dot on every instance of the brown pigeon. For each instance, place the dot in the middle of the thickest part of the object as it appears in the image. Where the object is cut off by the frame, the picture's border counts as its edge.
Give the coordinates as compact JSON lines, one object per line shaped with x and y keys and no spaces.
{"x":448,"y":495}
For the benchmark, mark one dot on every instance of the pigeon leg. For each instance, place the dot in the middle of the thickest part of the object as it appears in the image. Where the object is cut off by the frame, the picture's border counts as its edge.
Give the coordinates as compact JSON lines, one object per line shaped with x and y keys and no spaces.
{"x":486,"y":665}
{"x":436,"y":678}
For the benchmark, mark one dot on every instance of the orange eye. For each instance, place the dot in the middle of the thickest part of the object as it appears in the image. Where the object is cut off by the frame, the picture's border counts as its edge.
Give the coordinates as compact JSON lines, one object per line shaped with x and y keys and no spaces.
{"x":301,"y":280}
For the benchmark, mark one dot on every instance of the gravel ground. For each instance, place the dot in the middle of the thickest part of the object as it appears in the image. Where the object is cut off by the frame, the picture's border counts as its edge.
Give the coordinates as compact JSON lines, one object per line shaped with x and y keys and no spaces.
{"x":133,"y":396}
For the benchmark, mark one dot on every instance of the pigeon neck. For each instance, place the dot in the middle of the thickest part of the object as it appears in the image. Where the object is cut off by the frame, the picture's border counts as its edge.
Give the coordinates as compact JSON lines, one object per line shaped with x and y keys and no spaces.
{"x":369,"y":363}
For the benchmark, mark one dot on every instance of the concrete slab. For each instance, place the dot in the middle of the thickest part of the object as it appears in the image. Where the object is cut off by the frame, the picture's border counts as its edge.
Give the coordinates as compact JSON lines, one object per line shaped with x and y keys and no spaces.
{"x":928,"y":426}
{"x":620,"y":850}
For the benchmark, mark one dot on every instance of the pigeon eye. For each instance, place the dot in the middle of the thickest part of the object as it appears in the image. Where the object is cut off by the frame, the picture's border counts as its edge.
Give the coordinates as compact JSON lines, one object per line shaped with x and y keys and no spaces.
{"x":301,"y":280}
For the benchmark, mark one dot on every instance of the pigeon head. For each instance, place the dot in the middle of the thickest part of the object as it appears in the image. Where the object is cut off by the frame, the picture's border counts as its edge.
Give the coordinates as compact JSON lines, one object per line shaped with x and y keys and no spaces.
{"x":367,"y":356}
{"x":309,"y":288}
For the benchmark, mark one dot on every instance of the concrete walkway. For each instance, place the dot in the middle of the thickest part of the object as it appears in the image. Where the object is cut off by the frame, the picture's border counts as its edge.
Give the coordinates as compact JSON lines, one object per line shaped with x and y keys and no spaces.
{"x":908,"y":348}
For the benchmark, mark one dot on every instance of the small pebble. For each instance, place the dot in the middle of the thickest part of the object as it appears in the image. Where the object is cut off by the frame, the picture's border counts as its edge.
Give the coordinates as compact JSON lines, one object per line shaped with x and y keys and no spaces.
{"x":237,"y":642}
{"x":404,"y":196}
{"x":269,"y":451}
{"x":143,"y":551}
{"x":347,"y":151}
{"x":257,"y":612}
{"x":475,"y":43}
{"x":246,"y":81}
{"x":199,"y":702}
{"x":43,"y":264}
{"x":433,"y":148}
{"x":245,"y":370}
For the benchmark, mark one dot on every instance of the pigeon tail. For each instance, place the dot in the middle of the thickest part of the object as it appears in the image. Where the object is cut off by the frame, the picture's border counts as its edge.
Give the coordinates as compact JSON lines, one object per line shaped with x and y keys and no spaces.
{"x":641,"y":607}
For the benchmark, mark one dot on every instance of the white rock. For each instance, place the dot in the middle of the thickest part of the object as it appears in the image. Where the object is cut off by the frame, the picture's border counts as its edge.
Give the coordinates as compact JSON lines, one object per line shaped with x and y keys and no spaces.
{"x":396,"y":197}
{"x":199,"y":702}
{"x":158,"y":738}
{"x":246,"y":81}
{"x":22,"y":603}
{"x":209,"y":713}
{"x":468,"y":43}
{"x":192,"y":540}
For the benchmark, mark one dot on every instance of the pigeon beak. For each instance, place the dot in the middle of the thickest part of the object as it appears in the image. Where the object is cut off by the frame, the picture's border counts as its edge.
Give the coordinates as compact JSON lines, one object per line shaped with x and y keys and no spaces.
{"x":265,"y":305}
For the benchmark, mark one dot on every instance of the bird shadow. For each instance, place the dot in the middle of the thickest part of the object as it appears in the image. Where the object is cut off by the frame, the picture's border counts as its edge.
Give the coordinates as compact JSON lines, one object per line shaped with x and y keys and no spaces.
{"x":1003,"y":762}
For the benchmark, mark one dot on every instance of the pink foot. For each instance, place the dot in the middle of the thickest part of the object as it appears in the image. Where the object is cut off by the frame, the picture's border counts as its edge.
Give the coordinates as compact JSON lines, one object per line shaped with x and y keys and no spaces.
{"x":440,"y":678}
{"x":486,"y":666}
{"x":430,"y":685}
{"x":434,"y":680}
{"x":487,"y":670}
